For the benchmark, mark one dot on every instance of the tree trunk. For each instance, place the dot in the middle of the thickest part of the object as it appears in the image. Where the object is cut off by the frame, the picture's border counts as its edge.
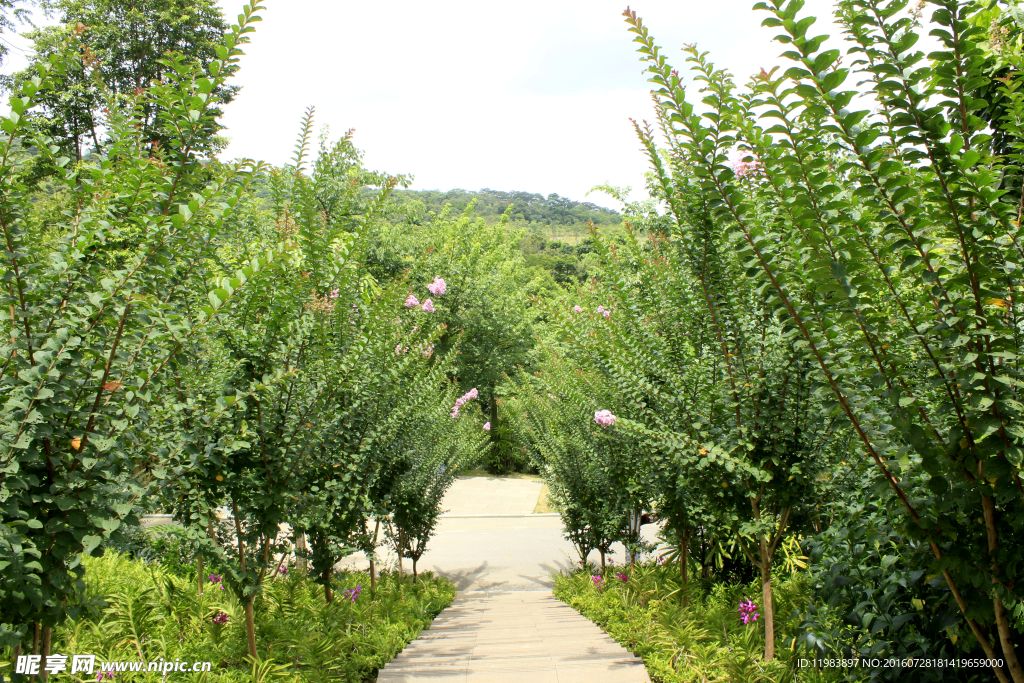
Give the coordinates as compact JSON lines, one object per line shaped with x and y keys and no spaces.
{"x":766,"y":597}
{"x":601,"y":550}
{"x":495,"y":453}
{"x":328,"y":593}
{"x":415,"y":575}
{"x":250,"y":624}
{"x":400,"y":549}
{"x":684,"y":560}
{"x":1006,"y":640}
{"x":45,"y":651}
{"x":373,"y":565}
{"x":250,"y":628}
{"x":300,"y":547}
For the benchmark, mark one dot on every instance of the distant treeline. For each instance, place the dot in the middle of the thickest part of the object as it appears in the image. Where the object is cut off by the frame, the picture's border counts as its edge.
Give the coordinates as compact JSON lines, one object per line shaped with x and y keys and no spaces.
{"x":528,"y":208}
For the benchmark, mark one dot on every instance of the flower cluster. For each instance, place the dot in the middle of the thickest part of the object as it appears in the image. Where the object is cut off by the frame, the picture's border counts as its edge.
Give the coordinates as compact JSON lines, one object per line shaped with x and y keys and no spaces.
{"x":411,"y":301}
{"x":438,"y":287}
{"x":662,"y":560}
{"x":399,"y":349}
{"x":487,"y":426}
{"x":220,"y":618}
{"x":577,"y":309}
{"x":604,"y":311}
{"x":353,"y":593}
{"x":748,"y":612}
{"x":428,"y":351}
{"x":428,"y":306}
{"x":604,"y":418}
{"x":622,"y":577}
{"x":462,"y":400}
{"x":598,"y":581}
{"x":282,"y":570}
{"x":105,"y":675}
{"x":744,"y":168}
{"x":217,"y":579}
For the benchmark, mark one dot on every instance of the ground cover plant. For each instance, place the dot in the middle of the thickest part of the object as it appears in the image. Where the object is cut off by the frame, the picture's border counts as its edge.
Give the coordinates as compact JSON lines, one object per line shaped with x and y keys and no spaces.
{"x":148,"y":611}
{"x":715,"y":634}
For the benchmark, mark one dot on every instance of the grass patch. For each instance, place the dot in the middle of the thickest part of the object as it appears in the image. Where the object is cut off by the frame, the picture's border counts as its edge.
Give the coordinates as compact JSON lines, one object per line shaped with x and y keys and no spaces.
{"x":702,"y":639}
{"x":544,"y":502}
{"x":150,"y":613}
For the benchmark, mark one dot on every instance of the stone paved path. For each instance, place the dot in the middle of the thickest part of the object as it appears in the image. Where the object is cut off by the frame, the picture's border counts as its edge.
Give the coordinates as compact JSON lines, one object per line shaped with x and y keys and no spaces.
{"x":513,"y":637}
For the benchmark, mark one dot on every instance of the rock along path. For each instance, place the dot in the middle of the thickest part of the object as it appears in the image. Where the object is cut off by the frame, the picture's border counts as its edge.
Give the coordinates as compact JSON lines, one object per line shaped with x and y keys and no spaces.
{"x":513,"y":637}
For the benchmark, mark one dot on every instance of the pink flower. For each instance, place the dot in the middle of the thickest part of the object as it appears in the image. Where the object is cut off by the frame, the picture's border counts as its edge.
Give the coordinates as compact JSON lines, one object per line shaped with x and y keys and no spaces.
{"x":334,"y":294}
{"x":577,"y":309}
{"x":487,"y":426}
{"x":748,"y":611}
{"x":399,"y":350}
{"x":744,"y":168}
{"x":622,"y":577}
{"x":462,"y":400}
{"x":282,"y":570}
{"x":598,"y":581}
{"x":429,"y":350}
{"x":428,"y":306}
{"x":411,"y":301}
{"x":220,"y":618}
{"x":604,"y":311}
{"x":604,"y":418}
{"x":438,"y":287}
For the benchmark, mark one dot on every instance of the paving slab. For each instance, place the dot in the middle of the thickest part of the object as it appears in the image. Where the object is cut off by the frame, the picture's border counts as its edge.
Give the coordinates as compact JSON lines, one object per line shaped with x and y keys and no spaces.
{"x":550,"y":643}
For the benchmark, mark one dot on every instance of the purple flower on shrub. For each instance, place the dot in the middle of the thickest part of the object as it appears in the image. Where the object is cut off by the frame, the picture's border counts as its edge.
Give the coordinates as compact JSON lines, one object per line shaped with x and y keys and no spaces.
{"x":622,"y":577}
{"x":353,"y":593}
{"x":105,"y":675}
{"x":214,"y":578}
{"x":748,"y":612}
{"x":662,"y":560}
{"x":220,"y":618}
{"x":598,"y":581}
{"x":282,"y":570}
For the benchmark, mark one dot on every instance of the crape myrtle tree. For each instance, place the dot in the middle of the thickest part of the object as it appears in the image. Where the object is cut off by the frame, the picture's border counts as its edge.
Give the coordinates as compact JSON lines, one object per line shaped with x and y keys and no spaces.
{"x":88,"y":347}
{"x":433,"y":447}
{"x":306,"y":352}
{"x":486,"y":305}
{"x":876,"y":227}
{"x":362,"y":461}
{"x":598,"y":480}
{"x":122,"y":48}
{"x":706,"y":378}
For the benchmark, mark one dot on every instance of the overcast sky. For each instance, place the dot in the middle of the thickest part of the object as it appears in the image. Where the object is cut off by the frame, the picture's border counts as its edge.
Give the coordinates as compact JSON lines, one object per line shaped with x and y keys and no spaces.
{"x":531,"y":95}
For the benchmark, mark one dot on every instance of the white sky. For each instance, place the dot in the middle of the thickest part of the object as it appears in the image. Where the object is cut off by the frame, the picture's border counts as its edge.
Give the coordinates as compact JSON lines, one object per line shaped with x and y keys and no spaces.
{"x":531,"y":95}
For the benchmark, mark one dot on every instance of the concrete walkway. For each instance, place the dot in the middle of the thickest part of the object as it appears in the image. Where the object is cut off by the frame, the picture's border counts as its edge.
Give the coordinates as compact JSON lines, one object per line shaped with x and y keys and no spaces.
{"x":492,"y":496}
{"x":524,"y":637}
